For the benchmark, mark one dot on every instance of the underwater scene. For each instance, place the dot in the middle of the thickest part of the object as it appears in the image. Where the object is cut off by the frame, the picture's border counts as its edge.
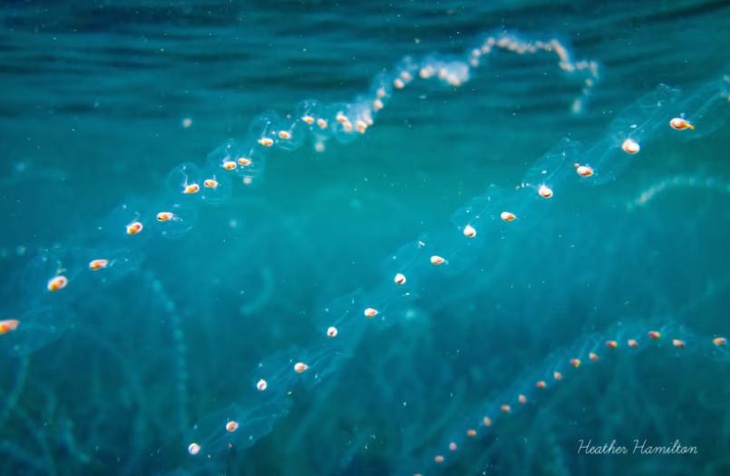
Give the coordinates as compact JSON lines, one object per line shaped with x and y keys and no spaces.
{"x":365,"y":238}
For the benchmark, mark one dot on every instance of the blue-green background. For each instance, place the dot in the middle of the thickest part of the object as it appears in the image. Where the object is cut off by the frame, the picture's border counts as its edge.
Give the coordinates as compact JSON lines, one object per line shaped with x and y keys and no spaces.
{"x":92,"y":99}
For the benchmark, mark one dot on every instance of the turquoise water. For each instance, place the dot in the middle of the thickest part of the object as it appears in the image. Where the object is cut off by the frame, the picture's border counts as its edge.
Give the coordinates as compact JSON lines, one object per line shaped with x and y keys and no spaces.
{"x":125,"y":368}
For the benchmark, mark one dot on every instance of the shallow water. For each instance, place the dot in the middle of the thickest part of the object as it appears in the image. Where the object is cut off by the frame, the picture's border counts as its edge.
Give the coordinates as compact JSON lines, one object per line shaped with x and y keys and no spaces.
{"x":121,"y":372}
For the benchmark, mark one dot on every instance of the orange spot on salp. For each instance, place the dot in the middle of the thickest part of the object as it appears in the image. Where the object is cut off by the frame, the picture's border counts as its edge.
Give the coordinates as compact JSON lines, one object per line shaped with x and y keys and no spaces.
{"x":522,"y":399}
{"x":575,"y":363}
{"x":165,"y":216}
{"x":134,"y":228}
{"x":194,"y":449}
{"x":261,"y":385}
{"x":453,"y":446}
{"x":557,"y":376}
{"x":471,"y":433}
{"x":505,"y":409}
{"x":266,"y":141}
{"x":630,"y":146}
{"x":309,"y":120}
{"x":541,"y":384}
{"x":545,"y":192}
{"x":470,"y":231}
{"x":399,"y":279}
{"x":437,"y":260}
{"x":57,"y":283}
{"x":678,"y":343}
{"x":719,"y":341}
{"x":300,"y":367}
{"x":332,"y":331}
{"x":244,"y":161}
{"x":322,"y":123}
{"x":229,"y":165}
{"x":97,"y":264}
{"x":611,"y":344}
{"x":655,"y":335}
{"x":191,"y":188}
{"x":370,"y":312}
{"x":210,"y":183}
{"x":681,"y":124}
{"x":583,"y":170}
{"x":507,"y":216}
{"x":8,"y":325}
{"x":286,"y":135}
{"x":487,"y":421}
{"x":593,"y":356}
{"x":439,"y":459}
{"x":632,"y":343}
{"x":231,"y":426}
